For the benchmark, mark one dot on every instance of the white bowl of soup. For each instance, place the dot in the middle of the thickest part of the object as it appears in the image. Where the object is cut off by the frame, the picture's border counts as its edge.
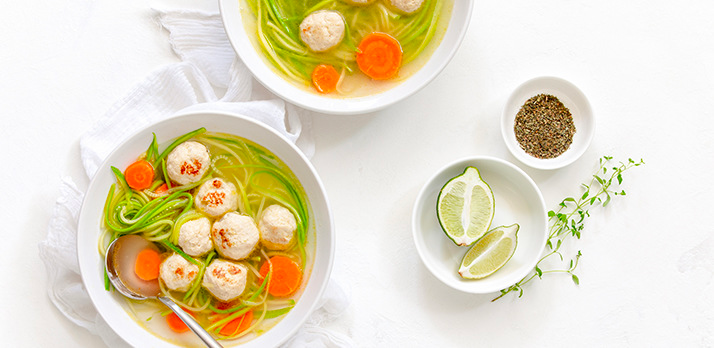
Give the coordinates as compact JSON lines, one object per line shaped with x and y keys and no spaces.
{"x":283,"y":48}
{"x":263,"y":169}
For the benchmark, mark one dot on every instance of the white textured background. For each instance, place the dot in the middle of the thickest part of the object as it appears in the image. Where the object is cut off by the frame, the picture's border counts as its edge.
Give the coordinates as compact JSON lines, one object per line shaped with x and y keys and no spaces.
{"x":646,"y":66}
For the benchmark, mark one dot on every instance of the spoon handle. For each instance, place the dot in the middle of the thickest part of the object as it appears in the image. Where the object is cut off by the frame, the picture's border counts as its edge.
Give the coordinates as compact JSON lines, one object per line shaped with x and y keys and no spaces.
{"x":191,"y":323}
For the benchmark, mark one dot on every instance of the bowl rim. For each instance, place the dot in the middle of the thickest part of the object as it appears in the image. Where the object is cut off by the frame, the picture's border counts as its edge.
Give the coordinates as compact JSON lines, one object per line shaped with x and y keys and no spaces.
{"x":326,"y":235}
{"x":564,"y":88}
{"x":276,"y":84}
{"x":421,"y":198}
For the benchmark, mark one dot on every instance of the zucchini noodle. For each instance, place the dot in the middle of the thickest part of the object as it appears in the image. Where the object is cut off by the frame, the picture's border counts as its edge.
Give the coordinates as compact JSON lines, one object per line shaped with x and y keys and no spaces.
{"x":261,"y":179}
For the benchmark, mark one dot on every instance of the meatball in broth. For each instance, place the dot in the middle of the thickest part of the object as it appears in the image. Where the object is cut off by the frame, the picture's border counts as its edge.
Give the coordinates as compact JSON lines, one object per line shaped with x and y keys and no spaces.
{"x":277,"y":227}
{"x":235,"y":236}
{"x":225,"y":280}
{"x":406,"y":6}
{"x":177,"y":273}
{"x":322,"y":30}
{"x":187,"y":163}
{"x":216,"y":197}
{"x":195,"y":237}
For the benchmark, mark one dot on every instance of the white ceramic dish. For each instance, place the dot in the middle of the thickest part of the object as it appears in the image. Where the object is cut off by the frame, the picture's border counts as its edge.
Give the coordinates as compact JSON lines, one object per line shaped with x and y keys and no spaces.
{"x":231,"y":14}
{"x":517,"y":199}
{"x":572,"y":98}
{"x":111,"y":305}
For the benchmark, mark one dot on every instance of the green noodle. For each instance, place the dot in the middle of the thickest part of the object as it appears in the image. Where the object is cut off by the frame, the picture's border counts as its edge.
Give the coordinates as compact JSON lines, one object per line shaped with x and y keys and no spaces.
{"x":165,"y":172}
{"x":277,"y":312}
{"x":191,"y":293}
{"x":176,"y":249}
{"x":153,"y":150}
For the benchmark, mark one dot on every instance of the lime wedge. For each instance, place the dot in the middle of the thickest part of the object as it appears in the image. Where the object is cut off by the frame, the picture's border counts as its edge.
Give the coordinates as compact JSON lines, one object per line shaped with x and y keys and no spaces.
{"x":465,"y":207}
{"x":490,"y":253}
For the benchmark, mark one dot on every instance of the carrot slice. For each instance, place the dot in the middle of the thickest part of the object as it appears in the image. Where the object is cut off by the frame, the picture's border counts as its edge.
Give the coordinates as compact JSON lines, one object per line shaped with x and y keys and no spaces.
{"x":147,"y":264}
{"x":161,"y":189}
{"x":237,"y":325}
{"x":175,"y":323}
{"x":286,"y":275}
{"x":325,"y":78}
{"x":139,"y":175}
{"x":379,"y":56}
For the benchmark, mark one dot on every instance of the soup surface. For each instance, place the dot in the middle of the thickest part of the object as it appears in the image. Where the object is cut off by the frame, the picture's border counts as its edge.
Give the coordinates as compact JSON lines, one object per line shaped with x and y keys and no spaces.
{"x":276,"y":29}
{"x":234,"y":242}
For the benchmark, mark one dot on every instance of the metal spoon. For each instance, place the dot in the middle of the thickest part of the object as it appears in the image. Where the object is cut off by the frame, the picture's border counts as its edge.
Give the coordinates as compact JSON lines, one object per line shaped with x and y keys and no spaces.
{"x":124,"y":290}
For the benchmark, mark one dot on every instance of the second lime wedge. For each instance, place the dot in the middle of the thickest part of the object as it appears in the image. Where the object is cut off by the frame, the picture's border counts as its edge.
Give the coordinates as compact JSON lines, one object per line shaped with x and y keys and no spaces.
{"x":490,"y":253}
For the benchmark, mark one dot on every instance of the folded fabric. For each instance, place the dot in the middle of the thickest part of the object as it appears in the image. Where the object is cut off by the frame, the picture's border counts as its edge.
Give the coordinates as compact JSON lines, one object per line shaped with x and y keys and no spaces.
{"x":209,"y":67}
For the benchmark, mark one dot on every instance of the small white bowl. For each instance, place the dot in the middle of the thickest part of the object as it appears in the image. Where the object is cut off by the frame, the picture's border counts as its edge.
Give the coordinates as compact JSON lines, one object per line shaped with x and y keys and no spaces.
{"x":268,"y":77}
{"x":572,"y":98}
{"x":517,"y":199}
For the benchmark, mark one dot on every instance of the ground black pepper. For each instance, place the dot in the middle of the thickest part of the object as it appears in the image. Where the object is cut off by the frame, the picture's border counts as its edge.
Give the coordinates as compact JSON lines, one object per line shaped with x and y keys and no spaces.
{"x":544,"y":127}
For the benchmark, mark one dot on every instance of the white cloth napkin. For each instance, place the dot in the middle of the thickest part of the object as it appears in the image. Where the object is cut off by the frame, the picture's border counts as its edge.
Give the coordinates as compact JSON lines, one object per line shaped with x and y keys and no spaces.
{"x":209,"y":67}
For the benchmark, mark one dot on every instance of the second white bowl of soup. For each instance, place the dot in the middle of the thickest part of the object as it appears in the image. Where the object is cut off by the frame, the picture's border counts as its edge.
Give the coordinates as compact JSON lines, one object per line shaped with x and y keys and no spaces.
{"x":385,"y":50}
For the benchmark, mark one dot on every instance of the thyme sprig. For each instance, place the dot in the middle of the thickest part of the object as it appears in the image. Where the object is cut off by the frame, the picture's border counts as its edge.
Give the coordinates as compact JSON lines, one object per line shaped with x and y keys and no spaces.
{"x":569,"y":219}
